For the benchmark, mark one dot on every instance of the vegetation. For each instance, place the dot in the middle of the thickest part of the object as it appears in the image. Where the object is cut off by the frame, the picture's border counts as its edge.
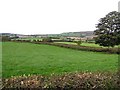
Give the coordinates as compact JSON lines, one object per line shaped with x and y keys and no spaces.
{"x":28,"y":58}
{"x":4,"y":38}
{"x":38,"y":63}
{"x":84,"y":44}
{"x":48,"y":39}
{"x":76,"y":47}
{"x":71,"y":81}
{"x":73,"y":43}
{"x":31,"y":39}
{"x":79,"y":42}
{"x":108,"y":30}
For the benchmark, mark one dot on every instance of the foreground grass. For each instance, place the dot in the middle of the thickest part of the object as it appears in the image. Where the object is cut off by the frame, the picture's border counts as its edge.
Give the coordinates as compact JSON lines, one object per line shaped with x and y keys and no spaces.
{"x":28,"y":58}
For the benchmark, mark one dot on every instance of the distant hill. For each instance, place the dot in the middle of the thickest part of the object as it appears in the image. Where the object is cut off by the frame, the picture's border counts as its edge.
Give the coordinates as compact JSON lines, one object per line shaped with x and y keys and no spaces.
{"x":8,"y":34}
{"x":78,"y":34}
{"x":5,"y":34}
{"x":67,"y":34}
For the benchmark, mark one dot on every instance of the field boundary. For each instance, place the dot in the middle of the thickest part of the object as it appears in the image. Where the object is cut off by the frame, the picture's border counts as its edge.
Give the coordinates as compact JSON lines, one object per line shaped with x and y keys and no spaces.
{"x":76,"y":47}
{"x":75,"y":81}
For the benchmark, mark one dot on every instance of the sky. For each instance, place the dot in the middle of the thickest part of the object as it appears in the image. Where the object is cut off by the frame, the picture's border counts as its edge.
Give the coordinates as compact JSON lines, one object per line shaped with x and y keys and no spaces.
{"x":52,"y":16}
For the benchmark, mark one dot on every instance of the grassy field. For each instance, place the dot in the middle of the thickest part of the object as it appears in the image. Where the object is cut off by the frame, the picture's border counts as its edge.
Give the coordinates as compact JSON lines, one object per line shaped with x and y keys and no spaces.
{"x":30,"y":38}
{"x":28,"y":58}
{"x":84,"y":44}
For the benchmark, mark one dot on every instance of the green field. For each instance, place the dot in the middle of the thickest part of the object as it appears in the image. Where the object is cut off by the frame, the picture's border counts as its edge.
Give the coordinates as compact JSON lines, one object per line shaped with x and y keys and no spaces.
{"x":32,"y":38}
{"x":28,"y":58}
{"x":84,"y":44}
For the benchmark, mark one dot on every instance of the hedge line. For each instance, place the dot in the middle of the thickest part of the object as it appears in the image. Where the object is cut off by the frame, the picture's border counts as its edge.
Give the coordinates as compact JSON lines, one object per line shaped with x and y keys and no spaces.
{"x":76,"y":47}
{"x":68,"y":81}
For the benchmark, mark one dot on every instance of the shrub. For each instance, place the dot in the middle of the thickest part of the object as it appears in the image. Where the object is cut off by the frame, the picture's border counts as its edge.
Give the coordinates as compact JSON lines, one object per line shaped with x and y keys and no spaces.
{"x":79,"y":42}
{"x":69,"y":81}
{"x":5,"y":38}
{"x":48,"y":39}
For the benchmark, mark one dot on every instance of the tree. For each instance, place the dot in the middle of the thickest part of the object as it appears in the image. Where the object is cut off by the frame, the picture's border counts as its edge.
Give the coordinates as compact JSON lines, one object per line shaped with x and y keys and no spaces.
{"x":79,"y":42}
{"x":47,"y":39}
{"x":108,"y":30}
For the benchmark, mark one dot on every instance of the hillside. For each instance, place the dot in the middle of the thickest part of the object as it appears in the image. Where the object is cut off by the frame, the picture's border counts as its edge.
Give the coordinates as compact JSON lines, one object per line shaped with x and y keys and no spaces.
{"x":67,"y":34}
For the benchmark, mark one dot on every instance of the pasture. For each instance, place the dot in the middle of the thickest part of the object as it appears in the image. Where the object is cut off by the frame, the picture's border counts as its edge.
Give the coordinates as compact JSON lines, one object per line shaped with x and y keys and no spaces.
{"x":32,"y":38}
{"x":28,"y":58}
{"x":84,"y":44}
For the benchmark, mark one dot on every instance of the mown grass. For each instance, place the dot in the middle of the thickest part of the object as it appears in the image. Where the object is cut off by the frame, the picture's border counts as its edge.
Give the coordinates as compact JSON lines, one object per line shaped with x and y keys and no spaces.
{"x":28,"y":58}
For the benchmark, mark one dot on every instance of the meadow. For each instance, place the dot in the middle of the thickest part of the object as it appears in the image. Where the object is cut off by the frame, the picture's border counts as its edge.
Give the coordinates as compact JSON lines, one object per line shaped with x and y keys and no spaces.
{"x":29,"y":58}
{"x":83,"y":44}
{"x":30,"y":38}
{"x":86,"y":44}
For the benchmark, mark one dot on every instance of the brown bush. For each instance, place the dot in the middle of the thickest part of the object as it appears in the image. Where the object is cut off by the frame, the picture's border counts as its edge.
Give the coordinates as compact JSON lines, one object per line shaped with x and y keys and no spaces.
{"x":71,"y":81}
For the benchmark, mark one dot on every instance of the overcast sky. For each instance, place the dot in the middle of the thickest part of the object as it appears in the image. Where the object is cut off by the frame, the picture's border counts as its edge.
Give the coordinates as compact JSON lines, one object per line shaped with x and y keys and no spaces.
{"x":52,"y":16}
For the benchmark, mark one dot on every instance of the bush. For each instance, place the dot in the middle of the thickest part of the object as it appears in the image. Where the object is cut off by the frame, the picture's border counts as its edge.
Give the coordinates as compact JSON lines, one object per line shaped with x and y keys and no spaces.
{"x":79,"y":42}
{"x":69,"y":81}
{"x":5,"y":38}
{"x":47,"y":39}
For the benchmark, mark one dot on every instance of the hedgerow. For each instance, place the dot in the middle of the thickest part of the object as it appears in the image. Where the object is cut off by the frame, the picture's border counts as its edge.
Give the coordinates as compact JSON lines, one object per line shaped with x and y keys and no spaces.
{"x":68,"y":81}
{"x":84,"y":48}
{"x":76,"y":47}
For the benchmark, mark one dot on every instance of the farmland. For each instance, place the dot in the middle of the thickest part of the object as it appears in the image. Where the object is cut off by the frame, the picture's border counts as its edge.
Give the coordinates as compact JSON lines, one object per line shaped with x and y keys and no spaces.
{"x":84,"y":44}
{"x":32,"y":38}
{"x":28,"y":58}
